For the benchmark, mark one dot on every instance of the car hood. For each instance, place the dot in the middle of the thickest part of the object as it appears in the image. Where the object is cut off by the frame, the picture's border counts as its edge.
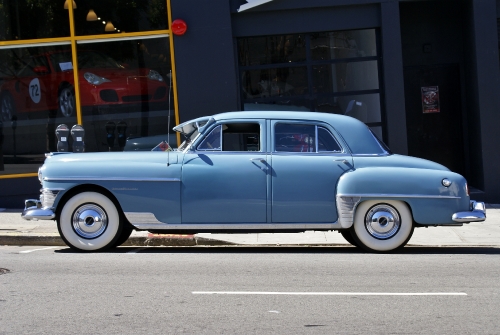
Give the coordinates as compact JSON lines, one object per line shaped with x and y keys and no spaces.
{"x":115,"y":73}
{"x":109,"y":164}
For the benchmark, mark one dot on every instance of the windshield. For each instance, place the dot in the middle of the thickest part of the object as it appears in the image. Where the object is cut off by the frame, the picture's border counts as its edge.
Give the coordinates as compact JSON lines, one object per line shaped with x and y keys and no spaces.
{"x":188,"y":140}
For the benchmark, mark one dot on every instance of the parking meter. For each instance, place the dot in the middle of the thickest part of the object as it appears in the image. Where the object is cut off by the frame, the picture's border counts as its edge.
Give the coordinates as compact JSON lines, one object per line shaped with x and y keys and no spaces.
{"x":62,"y":133}
{"x":78,"y":134}
{"x":110,"y":134}
{"x":121,"y":128}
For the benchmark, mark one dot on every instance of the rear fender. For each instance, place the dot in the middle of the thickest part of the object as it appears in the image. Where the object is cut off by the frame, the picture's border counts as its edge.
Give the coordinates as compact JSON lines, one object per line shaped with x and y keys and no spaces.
{"x":421,"y":189}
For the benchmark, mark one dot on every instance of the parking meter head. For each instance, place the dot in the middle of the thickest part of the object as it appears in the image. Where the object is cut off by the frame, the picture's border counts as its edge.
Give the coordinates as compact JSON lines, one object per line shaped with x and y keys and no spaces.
{"x":62,"y":133}
{"x":121,"y":128}
{"x":78,"y":135}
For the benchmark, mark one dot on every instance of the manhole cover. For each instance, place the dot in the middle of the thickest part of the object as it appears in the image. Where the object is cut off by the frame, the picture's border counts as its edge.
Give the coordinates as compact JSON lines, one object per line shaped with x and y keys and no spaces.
{"x":4,"y":271}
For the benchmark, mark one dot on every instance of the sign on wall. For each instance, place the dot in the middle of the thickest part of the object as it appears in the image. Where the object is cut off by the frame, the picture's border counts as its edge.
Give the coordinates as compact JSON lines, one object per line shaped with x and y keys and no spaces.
{"x":430,"y":99}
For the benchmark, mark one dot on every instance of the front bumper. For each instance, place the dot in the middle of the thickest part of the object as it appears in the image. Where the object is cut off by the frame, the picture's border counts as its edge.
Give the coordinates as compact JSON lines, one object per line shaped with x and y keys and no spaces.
{"x":33,"y":211}
{"x":476,"y":213}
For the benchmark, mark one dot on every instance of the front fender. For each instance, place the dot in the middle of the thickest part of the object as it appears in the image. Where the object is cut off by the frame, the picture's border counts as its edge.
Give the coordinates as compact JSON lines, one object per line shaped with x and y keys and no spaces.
{"x":422,"y":189}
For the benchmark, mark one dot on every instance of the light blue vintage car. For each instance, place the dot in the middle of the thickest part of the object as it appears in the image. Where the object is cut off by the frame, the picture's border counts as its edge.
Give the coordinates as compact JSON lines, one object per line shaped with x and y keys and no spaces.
{"x":248,"y":172}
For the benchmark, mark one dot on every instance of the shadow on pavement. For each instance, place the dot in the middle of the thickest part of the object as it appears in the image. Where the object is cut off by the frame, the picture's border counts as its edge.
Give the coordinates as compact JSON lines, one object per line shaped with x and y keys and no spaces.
{"x":284,"y":249}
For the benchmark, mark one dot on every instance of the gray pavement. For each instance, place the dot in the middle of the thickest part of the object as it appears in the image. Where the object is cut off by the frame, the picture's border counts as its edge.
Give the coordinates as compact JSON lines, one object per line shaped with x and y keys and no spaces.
{"x":16,"y":231}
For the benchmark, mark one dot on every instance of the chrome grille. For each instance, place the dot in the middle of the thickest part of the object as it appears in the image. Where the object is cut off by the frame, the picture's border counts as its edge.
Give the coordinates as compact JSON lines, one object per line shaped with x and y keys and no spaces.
{"x":48,"y":197}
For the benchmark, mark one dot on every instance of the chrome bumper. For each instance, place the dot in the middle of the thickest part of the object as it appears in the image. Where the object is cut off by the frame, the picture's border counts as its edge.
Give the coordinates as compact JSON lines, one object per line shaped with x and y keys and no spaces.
{"x":33,"y":211}
{"x":477,"y":213}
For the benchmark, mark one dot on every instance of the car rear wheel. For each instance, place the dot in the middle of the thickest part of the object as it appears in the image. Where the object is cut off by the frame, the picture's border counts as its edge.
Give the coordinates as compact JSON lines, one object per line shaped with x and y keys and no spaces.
{"x":89,"y":221}
{"x":382,"y":225}
{"x":67,"y":101}
{"x":7,"y":107}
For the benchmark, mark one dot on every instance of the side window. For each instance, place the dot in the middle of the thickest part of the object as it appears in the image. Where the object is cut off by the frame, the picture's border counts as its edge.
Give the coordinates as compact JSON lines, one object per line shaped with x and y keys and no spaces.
{"x":212,"y":141}
{"x":326,"y":141}
{"x":295,"y":137}
{"x":241,"y":137}
{"x":235,"y":137}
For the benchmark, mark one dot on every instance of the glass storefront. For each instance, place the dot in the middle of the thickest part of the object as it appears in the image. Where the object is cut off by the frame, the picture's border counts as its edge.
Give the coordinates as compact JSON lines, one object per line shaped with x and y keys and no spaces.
{"x":113,"y":76}
{"x":329,"y":72}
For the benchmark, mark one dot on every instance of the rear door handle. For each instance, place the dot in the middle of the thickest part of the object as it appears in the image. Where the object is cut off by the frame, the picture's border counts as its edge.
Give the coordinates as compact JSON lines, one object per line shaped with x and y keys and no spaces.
{"x":262,"y":160}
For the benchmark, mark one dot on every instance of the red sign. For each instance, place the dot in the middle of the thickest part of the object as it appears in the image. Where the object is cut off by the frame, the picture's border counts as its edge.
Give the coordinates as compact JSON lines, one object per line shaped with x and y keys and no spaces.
{"x":430,"y":99}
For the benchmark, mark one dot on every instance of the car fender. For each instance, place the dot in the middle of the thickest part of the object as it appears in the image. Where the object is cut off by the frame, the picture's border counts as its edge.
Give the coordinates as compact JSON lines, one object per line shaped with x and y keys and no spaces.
{"x":422,"y":190}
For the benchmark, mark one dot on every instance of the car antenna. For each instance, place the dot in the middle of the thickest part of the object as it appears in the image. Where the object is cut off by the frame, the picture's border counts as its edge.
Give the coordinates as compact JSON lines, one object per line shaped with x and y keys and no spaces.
{"x":168,"y":125}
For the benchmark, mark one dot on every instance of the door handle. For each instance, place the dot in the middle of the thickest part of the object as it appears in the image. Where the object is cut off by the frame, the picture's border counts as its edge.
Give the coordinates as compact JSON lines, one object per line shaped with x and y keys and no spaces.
{"x":346,"y":162}
{"x":262,"y":160}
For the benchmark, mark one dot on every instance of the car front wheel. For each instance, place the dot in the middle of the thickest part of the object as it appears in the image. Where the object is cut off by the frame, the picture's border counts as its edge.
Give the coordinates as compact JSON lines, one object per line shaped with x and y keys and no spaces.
{"x":382,"y":225}
{"x":89,"y":221}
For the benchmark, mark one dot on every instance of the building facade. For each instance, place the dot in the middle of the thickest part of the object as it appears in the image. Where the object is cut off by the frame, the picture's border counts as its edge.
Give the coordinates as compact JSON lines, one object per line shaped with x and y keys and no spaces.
{"x":423,"y":75}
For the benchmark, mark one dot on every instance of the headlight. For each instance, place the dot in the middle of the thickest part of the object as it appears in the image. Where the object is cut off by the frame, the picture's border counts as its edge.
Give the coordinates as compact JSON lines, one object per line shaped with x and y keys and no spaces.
{"x":95,"y":80}
{"x":40,"y":174}
{"x":153,"y":75}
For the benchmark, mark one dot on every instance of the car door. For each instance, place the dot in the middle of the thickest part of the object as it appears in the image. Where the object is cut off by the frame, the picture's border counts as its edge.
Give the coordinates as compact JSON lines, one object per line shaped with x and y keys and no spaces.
{"x":224,"y":175}
{"x":307,"y":161}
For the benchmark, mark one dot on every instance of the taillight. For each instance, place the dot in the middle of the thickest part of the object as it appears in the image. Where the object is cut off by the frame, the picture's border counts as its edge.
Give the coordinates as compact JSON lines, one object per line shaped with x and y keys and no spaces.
{"x":466,"y":188}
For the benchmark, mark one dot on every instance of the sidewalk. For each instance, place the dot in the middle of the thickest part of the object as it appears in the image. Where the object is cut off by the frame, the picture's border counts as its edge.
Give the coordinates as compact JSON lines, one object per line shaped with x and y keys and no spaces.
{"x":16,"y":231}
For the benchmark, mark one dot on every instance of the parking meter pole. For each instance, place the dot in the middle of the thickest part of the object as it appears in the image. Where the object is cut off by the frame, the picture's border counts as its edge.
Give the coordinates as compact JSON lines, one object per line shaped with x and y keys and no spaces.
{"x":110,"y":134}
{"x":78,"y":135}
{"x":121,"y":128}
{"x":62,"y":133}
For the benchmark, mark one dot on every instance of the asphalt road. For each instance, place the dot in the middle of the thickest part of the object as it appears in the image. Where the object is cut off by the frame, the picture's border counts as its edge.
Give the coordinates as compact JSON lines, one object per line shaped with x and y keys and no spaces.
{"x":249,"y":290}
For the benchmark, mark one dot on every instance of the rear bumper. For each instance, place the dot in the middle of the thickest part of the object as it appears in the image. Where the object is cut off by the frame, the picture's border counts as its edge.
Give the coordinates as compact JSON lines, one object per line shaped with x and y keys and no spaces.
{"x":33,"y":211}
{"x":477,"y":213}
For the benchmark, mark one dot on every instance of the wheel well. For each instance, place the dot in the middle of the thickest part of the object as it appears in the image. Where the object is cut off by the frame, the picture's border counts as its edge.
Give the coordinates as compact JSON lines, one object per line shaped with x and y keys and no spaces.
{"x":90,"y":188}
{"x":63,"y":85}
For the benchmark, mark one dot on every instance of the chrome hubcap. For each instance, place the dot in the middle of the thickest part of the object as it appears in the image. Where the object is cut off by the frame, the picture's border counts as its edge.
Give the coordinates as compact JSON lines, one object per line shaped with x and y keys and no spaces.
{"x":90,"y":221}
{"x":382,"y":222}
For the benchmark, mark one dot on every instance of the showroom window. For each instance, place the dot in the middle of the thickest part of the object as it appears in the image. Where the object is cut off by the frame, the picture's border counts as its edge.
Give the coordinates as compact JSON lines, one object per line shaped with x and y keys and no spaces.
{"x":330,"y":72}
{"x":105,"y":65}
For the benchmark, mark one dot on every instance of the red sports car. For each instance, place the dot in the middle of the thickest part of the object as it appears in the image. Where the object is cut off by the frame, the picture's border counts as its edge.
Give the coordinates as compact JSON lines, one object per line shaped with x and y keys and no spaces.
{"x":46,"y":82}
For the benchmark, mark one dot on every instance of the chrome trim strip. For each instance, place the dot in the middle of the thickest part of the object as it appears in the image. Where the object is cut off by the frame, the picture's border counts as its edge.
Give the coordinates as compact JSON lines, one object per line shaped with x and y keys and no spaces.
{"x":48,"y":196}
{"x":111,"y":179}
{"x":149,"y":221}
{"x":346,"y":206}
{"x":418,"y":196}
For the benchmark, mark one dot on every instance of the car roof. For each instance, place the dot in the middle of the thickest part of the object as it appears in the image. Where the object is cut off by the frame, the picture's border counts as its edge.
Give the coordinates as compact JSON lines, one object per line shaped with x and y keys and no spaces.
{"x":357,"y":135}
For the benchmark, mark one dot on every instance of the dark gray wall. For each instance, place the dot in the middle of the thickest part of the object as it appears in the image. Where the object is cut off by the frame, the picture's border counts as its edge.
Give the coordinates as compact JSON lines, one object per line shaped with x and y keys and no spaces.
{"x":14,"y":191}
{"x":205,"y":60}
{"x":485,"y":67}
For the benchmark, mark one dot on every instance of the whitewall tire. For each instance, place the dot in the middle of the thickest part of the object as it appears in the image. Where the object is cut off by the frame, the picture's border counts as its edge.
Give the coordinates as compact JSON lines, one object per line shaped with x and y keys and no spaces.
{"x":89,"y":221}
{"x":382,"y":225}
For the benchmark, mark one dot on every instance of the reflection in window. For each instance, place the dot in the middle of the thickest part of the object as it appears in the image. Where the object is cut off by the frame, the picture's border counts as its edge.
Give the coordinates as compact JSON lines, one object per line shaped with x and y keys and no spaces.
{"x":272,"y":50}
{"x":28,"y":19}
{"x":124,"y":81}
{"x":295,"y":138}
{"x":235,"y":137}
{"x":326,"y":141}
{"x":343,"y":44}
{"x":330,"y":72}
{"x":119,"y":16}
{"x":212,"y":141}
{"x":33,"y":102}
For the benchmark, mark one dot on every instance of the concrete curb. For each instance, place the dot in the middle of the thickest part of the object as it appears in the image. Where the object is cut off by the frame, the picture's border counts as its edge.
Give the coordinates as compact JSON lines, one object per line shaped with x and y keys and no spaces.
{"x":152,"y":240}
